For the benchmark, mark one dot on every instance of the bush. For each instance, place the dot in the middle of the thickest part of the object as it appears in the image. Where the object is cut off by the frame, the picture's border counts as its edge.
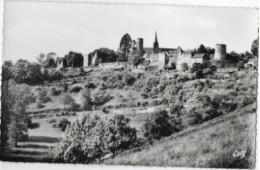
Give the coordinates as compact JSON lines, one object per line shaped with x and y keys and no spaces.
{"x":101,"y":97}
{"x":75,"y":88}
{"x":52,"y":121}
{"x":157,"y":126}
{"x":42,"y":96}
{"x":54,"y":91}
{"x":128,"y":79}
{"x":63,"y":124}
{"x":184,"y":67}
{"x":89,"y":139}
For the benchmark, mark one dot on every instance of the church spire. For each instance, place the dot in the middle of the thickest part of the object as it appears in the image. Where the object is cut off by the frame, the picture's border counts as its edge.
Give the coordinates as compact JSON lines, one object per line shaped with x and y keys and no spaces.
{"x":156,"y":37}
{"x":156,"y":44}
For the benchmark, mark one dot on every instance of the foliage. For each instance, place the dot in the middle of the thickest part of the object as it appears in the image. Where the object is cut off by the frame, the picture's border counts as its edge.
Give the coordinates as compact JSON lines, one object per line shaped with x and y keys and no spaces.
{"x":6,"y":70}
{"x":25,"y":72}
{"x":88,"y":139}
{"x":119,"y":135}
{"x":15,"y":99}
{"x":101,"y":97}
{"x":196,"y":67}
{"x":69,"y":101}
{"x":157,"y":126}
{"x":125,"y":44}
{"x":63,"y":123}
{"x":86,"y":99}
{"x":128,"y":79}
{"x":184,"y":67}
{"x":255,"y":47}
{"x":42,"y":96}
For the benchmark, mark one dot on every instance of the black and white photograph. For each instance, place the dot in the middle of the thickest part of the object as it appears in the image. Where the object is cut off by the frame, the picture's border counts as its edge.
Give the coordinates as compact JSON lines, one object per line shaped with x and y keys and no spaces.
{"x":129,"y":84}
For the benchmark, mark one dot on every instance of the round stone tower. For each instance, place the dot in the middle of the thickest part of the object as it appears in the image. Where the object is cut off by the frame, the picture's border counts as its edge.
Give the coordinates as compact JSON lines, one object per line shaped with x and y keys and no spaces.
{"x":140,"y":47}
{"x":220,"y":52}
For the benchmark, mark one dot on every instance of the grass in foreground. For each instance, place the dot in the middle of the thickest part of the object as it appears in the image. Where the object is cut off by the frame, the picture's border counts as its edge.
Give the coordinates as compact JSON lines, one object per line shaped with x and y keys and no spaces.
{"x":229,"y":142}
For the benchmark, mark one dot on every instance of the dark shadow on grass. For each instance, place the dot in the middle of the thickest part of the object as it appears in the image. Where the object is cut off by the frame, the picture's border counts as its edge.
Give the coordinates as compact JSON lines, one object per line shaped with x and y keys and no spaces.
{"x":27,"y":152}
{"x":33,"y":146}
{"x":33,"y":125}
{"x":42,"y":139}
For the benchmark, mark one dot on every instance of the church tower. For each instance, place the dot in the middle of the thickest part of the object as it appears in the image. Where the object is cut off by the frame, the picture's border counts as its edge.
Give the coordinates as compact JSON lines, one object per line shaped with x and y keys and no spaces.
{"x":156,"y":45}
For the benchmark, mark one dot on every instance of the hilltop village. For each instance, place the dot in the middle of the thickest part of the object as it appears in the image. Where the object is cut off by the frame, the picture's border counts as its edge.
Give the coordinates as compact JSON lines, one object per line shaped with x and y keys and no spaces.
{"x":147,"y":57}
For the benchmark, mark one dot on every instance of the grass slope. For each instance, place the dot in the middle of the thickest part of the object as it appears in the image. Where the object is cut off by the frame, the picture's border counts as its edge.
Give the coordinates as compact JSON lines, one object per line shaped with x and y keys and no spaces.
{"x":211,"y":144}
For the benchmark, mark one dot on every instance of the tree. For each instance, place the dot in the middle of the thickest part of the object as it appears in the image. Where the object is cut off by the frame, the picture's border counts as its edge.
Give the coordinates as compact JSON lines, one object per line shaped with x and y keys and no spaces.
{"x":196,"y":67}
{"x":83,"y":142}
{"x":201,"y":49}
{"x":25,"y":72}
{"x":7,"y":70}
{"x":86,"y":99}
{"x":125,"y":44}
{"x":90,"y":138}
{"x":184,"y":67}
{"x":15,"y":99}
{"x":157,"y":126}
{"x":120,"y":136}
{"x":254,"y":47}
{"x":67,"y":100}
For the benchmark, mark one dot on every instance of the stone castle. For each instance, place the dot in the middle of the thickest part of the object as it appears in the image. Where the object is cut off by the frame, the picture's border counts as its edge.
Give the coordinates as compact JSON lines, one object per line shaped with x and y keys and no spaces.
{"x":162,"y":57}
{"x":153,"y":56}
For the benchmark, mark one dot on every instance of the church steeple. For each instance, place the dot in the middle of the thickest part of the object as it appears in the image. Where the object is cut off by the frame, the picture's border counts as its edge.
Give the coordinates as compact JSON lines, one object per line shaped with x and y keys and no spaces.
{"x":156,"y":45}
{"x":156,"y":37}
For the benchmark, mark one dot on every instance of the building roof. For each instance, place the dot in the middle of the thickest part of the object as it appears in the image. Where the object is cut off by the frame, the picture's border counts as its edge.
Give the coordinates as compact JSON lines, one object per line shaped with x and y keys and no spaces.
{"x":199,"y":55}
{"x":148,"y":49}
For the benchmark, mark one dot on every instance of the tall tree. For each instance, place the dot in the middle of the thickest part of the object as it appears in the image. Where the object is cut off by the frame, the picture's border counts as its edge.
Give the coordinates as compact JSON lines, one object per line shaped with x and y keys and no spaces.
{"x":254,"y":47}
{"x":15,"y":100}
{"x":125,"y":44}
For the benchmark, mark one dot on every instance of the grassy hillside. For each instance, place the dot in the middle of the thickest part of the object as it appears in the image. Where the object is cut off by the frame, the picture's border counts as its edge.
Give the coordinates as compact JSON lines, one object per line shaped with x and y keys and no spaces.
{"x":225,"y":142}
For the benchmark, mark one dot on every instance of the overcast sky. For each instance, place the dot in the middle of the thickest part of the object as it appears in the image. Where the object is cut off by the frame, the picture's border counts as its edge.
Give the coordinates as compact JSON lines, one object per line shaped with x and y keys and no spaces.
{"x":31,"y":28}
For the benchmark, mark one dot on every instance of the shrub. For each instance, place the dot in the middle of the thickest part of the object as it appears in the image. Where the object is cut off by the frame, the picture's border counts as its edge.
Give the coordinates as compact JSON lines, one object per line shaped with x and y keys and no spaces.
{"x":63,"y":123}
{"x":88,"y":139}
{"x":157,"y":126}
{"x":196,"y":67}
{"x":54,"y":91}
{"x":101,"y":97}
{"x":75,"y":88}
{"x":128,"y":79}
{"x":144,"y":95}
{"x":184,"y":67}
{"x":42,"y":96}
{"x":182,"y":79}
{"x":68,"y":101}
{"x":52,"y":121}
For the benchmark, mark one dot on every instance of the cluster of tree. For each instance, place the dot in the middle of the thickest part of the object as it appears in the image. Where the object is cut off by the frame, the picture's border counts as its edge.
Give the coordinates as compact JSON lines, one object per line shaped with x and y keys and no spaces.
{"x":27,"y":72}
{"x":51,"y":60}
{"x":90,"y":138}
{"x":159,"y":125}
{"x":203,"y":49}
{"x":15,"y":119}
{"x":241,"y":58}
{"x":22,"y":71}
{"x":48,"y":60}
